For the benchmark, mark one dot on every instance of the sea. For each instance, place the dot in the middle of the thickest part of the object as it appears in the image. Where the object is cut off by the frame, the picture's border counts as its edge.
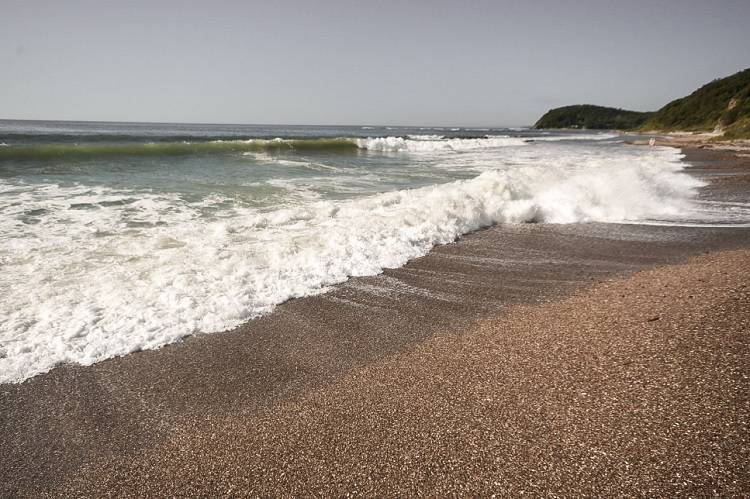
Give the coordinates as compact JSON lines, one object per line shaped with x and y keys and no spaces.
{"x":119,"y":237}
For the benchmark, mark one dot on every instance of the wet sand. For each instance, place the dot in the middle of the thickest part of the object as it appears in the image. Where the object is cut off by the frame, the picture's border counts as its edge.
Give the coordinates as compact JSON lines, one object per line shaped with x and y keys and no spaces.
{"x":535,"y":358}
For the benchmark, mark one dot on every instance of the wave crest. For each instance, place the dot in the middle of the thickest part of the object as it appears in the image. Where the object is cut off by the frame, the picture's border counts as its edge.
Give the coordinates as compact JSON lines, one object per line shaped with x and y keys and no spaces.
{"x":417,"y":143}
{"x":190,"y":274}
{"x":433,"y":143}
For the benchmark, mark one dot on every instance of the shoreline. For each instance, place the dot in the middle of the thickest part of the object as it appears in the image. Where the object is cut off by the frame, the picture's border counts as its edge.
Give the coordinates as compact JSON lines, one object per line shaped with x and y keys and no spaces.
{"x":67,"y":428}
{"x":635,"y":396}
{"x":690,"y":140}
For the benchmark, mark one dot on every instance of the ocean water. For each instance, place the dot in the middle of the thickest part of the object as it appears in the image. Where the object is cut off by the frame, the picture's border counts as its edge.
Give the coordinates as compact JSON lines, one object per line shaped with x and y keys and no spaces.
{"x":121,"y":237}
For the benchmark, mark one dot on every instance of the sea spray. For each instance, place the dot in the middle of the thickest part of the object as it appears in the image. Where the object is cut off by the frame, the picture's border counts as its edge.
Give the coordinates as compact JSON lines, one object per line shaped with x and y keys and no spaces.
{"x":91,"y":272}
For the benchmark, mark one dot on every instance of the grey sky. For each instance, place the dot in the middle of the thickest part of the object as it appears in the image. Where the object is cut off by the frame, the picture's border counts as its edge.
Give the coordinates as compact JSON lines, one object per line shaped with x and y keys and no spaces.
{"x":351,"y":62}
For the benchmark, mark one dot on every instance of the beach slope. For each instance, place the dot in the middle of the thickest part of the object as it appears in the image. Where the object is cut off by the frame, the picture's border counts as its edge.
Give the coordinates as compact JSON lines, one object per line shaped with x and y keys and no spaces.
{"x":545,"y":359}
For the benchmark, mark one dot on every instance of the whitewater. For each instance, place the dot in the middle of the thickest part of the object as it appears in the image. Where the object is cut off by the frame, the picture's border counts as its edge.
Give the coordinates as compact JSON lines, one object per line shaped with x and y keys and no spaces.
{"x":106,"y":252}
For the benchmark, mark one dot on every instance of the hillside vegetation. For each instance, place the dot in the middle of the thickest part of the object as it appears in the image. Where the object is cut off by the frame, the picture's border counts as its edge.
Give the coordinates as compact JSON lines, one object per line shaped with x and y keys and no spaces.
{"x":723,"y":104}
{"x":591,"y":117}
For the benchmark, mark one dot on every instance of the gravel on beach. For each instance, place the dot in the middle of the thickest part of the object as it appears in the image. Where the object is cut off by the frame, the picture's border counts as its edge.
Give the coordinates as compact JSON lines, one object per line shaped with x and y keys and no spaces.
{"x":582,"y":359}
{"x":638,"y":385}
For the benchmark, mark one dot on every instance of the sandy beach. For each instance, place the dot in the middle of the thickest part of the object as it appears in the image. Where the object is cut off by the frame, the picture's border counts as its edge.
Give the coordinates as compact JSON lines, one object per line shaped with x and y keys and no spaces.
{"x":582,"y":359}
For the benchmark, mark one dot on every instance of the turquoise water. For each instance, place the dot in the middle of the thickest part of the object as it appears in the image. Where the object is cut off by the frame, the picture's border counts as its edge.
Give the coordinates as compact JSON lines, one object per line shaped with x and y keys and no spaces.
{"x":242,"y":162}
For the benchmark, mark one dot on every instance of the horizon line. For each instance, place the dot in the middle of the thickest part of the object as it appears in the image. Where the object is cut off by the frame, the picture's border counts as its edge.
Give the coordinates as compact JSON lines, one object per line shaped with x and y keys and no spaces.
{"x":258,"y":124}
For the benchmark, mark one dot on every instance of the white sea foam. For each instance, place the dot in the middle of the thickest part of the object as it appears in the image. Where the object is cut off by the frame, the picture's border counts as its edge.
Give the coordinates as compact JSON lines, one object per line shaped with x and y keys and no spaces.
{"x":432,"y":143}
{"x":577,"y":136}
{"x":92,"y":272}
{"x":426,"y":137}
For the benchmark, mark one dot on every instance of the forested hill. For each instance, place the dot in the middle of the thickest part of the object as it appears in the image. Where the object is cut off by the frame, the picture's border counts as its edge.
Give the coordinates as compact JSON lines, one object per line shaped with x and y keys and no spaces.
{"x":591,"y":117}
{"x":723,"y":104}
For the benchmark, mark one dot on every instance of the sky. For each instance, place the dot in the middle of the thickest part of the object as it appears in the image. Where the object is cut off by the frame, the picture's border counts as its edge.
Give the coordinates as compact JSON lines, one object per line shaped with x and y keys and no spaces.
{"x":408,"y":62}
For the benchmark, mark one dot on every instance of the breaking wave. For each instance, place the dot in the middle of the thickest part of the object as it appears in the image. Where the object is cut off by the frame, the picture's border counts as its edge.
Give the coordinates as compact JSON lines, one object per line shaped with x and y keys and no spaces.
{"x":95,"y":272}
{"x":429,"y":143}
{"x":342,"y":144}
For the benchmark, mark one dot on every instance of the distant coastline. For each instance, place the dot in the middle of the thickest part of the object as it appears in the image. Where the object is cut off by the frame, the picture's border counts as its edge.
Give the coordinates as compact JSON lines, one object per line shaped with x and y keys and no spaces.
{"x":719,"y":110}
{"x":591,"y":117}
